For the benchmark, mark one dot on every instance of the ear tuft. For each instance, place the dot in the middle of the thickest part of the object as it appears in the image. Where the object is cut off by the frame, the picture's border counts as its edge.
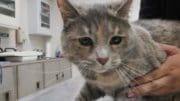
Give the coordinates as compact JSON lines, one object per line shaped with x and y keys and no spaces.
{"x":120,"y":9}
{"x":67,"y":10}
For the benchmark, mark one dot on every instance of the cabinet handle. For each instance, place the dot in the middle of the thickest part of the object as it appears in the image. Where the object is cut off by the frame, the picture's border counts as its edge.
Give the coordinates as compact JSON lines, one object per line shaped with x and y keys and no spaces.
{"x":38,"y":85}
{"x":7,"y":96}
{"x":62,"y":75}
{"x":57,"y":77}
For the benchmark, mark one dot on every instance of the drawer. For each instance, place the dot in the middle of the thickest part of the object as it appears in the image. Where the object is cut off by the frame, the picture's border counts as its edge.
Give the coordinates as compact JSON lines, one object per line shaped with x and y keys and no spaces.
{"x":30,"y":79}
{"x":65,"y":75}
{"x":51,"y":72}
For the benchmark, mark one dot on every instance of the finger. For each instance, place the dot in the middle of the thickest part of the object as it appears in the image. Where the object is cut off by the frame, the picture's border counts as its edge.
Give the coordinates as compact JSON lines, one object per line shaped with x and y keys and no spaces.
{"x":161,"y":91}
{"x":149,"y":87}
{"x":59,"y":2}
{"x":170,"y":50}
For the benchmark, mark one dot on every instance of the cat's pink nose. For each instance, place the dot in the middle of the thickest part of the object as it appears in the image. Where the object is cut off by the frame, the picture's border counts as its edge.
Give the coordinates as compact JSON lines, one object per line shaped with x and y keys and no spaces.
{"x":102,"y":61}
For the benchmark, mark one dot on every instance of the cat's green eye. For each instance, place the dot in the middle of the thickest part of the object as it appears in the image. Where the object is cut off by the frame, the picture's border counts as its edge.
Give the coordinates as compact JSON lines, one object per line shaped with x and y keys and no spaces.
{"x":86,"y":41}
{"x":115,"y":40}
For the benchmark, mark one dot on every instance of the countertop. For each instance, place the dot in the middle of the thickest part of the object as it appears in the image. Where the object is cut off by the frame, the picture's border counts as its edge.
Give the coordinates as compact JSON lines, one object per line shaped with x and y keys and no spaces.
{"x":10,"y":64}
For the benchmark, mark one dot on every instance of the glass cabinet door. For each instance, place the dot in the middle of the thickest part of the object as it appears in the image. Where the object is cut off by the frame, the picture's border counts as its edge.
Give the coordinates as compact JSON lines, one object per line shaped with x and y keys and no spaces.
{"x":45,"y":15}
{"x":7,"y":7}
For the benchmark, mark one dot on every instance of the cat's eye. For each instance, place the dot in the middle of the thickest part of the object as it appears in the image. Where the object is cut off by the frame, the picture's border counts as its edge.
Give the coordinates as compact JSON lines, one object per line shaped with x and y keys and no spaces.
{"x":86,"y":41}
{"x":115,"y":40}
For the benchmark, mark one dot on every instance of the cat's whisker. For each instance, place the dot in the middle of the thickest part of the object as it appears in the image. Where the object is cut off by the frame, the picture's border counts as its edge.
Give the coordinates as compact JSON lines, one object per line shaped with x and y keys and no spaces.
{"x":120,"y":77}
{"x":125,"y":76}
{"x":128,"y":72}
{"x":135,"y":71}
{"x":130,"y":78}
{"x":134,"y":81}
{"x":141,"y":77}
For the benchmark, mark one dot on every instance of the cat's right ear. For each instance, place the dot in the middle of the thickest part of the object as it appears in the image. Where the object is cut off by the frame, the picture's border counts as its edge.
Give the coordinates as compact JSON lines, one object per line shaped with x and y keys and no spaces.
{"x":120,"y":9}
{"x":68,"y":12}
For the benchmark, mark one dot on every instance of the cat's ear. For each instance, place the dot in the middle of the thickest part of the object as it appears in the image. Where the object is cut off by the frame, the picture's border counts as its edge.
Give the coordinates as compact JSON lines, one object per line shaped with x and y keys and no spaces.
{"x":120,"y":9}
{"x":67,"y":10}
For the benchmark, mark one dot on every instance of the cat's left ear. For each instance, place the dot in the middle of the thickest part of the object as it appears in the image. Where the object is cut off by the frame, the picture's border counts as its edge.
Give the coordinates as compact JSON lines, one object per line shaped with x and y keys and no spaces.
{"x":120,"y":9}
{"x":67,"y":10}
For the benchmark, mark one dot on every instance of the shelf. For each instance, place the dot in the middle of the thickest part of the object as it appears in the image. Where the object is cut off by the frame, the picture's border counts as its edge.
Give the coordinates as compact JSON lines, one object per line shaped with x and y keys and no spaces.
{"x":45,"y":23}
{"x":6,"y":8}
{"x":45,"y":15}
{"x":8,"y":1}
{"x":45,"y":8}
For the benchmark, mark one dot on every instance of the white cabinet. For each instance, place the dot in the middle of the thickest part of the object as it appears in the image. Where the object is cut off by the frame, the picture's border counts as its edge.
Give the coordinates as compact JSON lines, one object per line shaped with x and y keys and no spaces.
{"x":30,"y":78}
{"x":39,"y":17}
{"x":9,"y":13}
{"x":8,"y":90}
{"x":56,"y":71}
{"x":51,"y":73}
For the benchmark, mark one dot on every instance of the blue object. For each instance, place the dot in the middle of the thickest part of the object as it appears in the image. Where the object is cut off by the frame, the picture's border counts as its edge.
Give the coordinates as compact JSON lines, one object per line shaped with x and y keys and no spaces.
{"x":58,"y":54}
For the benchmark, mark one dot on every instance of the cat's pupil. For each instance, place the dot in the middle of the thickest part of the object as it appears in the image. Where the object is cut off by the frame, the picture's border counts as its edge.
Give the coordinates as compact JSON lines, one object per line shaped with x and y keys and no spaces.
{"x":115,"y":40}
{"x":86,"y":41}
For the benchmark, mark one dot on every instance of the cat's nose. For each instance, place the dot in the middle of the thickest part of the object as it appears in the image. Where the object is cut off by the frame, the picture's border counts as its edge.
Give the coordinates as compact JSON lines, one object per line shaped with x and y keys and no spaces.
{"x":102,"y":61}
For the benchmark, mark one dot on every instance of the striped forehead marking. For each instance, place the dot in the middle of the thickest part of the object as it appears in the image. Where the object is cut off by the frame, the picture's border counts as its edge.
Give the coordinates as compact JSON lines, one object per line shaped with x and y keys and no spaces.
{"x":101,"y":34}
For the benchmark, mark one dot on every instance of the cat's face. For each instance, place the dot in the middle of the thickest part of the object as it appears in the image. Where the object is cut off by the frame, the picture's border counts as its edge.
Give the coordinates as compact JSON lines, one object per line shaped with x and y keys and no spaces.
{"x":98,"y":45}
{"x":96,"y":41}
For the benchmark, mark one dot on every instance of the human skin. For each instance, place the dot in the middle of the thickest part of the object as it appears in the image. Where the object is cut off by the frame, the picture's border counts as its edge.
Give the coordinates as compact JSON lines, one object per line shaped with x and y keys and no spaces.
{"x":162,"y":81}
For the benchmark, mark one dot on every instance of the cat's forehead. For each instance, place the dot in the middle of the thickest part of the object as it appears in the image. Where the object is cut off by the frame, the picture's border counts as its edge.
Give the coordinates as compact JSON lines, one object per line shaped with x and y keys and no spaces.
{"x":97,"y":21}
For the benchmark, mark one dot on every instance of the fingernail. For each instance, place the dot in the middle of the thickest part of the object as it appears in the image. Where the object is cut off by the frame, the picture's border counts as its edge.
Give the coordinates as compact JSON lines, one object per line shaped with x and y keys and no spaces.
{"x":133,"y":84}
{"x":131,"y":95}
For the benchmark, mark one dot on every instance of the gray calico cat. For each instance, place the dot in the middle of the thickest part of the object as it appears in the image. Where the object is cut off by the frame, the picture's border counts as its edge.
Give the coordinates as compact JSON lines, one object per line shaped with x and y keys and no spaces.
{"x":108,"y":50}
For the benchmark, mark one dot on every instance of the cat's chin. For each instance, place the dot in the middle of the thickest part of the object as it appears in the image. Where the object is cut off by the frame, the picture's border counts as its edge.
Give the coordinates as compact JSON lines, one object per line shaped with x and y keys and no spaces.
{"x":101,"y":71}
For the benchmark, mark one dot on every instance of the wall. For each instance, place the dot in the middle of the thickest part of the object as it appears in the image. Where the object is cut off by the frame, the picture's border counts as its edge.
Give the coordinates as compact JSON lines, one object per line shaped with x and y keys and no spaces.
{"x":57,"y":25}
{"x":134,"y":11}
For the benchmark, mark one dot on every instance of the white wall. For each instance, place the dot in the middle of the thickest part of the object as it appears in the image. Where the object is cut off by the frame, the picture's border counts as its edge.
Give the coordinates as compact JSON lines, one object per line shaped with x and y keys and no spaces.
{"x":134,"y":11}
{"x":56,"y":27}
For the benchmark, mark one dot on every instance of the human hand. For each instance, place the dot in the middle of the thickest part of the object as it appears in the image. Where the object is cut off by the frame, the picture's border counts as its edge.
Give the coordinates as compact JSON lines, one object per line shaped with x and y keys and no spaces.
{"x":164,"y":80}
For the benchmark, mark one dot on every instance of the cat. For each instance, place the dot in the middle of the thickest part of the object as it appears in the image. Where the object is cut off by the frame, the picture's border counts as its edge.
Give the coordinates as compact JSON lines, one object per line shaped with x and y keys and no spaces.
{"x":109,"y":51}
{"x":163,"y":31}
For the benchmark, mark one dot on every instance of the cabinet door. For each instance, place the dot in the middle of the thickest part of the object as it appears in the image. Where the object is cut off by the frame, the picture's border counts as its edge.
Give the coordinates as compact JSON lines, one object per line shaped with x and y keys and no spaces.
{"x":65,"y":74}
{"x":8,"y":90}
{"x":51,"y":71}
{"x":39,"y":17}
{"x":8,"y":13}
{"x":57,"y":71}
{"x":30,"y":78}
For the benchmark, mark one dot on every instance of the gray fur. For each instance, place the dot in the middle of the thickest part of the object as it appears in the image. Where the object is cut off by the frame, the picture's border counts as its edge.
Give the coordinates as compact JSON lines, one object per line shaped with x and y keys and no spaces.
{"x":163,"y":31}
{"x":136,"y":55}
